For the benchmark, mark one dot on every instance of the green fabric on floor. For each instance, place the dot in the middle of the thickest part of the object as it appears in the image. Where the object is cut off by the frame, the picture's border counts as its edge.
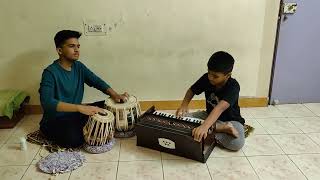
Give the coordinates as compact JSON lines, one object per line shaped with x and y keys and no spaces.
{"x":10,"y":100}
{"x":248,"y":130}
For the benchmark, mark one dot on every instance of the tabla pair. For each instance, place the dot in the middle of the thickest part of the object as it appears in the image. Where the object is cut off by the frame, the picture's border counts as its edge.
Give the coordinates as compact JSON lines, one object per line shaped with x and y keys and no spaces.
{"x":117,"y":120}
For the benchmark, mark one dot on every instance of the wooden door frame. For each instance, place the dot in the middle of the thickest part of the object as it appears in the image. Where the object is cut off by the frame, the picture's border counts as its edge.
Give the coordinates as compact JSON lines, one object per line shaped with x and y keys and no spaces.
{"x":274,"y":59}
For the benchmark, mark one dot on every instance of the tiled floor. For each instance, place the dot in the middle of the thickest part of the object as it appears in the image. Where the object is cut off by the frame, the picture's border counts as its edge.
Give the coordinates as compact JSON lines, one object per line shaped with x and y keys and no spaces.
{"x":284,"y":145}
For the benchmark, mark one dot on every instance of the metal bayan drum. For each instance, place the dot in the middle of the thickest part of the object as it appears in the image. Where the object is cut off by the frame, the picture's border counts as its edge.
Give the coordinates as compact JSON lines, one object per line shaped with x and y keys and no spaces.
{"x":99,"y":129}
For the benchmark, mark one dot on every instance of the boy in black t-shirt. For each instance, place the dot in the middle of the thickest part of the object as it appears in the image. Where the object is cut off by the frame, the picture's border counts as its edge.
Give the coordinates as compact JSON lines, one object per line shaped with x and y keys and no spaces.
{"x":222,"y":109}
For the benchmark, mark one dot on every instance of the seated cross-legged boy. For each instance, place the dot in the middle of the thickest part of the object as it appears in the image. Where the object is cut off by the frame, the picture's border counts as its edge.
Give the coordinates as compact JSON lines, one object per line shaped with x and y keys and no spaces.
{"x":61,"y":93}
{"x":222,"y":109}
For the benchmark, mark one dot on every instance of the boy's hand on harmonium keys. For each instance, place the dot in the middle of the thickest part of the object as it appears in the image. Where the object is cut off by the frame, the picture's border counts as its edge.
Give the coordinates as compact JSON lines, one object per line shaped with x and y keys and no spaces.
{"x":182,"y":111}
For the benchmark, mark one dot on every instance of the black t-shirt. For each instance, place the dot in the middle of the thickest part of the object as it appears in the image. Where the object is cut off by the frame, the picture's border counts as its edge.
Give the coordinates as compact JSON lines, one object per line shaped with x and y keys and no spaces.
{"x":229,"y":92}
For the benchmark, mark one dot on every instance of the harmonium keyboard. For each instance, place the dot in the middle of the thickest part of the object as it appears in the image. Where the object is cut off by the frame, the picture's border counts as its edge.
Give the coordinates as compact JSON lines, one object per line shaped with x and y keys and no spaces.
{"x":167,"y":133}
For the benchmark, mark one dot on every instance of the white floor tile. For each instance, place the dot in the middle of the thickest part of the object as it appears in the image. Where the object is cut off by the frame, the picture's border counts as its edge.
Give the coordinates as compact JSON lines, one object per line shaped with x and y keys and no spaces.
{"x":279,"y":126}
{"x":266,"y":112}
{"x":231,"y":168}
{"x":295,"y":110}
{"x":275,"y":168}
{"x":296,"y":143}
{"x":261,"y":145}
{"x":309,"y":164}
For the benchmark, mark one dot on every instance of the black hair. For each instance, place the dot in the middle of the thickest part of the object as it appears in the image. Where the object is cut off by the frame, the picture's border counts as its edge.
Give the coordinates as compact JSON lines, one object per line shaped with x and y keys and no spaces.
{"x":221,"y":62}
{"x":64,"y":35}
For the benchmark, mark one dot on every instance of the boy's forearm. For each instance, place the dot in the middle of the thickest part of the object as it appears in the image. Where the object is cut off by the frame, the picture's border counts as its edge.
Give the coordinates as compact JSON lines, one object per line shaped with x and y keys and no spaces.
{"x":215,"y":113}
{"x":187,"y":98}
{"x":111,"y":92}
{"x":67,"y":107}
{"x":212,"y":118}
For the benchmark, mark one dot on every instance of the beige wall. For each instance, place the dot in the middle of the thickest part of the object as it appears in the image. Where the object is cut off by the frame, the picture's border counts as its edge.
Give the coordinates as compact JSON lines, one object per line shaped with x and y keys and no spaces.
{"x":157,"y":50}
{"x":267,"y":48}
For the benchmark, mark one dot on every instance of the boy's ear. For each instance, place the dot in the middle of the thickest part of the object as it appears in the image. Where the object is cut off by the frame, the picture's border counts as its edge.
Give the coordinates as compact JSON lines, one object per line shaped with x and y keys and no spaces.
{"x":59,"y":50}
{"x":229,"y":74}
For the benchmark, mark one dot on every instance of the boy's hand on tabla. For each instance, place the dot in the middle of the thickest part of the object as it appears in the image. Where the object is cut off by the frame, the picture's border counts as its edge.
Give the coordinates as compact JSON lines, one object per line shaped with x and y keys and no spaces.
{"x":121,"y":98}
{"x":89,"y":110}
{"x":182,"y":111}
{"x":199,"y":132}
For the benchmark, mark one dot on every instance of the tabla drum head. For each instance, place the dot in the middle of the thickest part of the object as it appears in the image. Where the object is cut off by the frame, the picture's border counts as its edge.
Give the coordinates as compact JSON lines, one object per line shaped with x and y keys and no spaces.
{"x":104,"y":117}
{"x":132,"y":101}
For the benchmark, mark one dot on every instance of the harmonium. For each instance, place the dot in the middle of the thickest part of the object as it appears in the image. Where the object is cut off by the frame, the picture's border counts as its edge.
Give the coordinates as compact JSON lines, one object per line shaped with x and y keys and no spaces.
{"x":168,"y":133}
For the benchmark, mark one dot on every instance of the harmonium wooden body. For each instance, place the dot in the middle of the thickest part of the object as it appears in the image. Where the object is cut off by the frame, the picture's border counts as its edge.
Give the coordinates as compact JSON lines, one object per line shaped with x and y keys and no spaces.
{"x":168,"y":133}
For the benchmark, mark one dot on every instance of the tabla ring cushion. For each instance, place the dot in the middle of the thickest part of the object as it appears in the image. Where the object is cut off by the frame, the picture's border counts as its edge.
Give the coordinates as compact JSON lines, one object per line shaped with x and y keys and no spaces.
{"x":125,"y":134}
{"x":61,"y":162}
{"x":99,"y":149}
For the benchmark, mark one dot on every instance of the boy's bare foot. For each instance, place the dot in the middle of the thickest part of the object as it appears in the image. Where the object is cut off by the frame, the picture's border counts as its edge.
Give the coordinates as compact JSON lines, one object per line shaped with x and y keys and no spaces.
{"x":231,"y":130}
{"x":228,"y":128}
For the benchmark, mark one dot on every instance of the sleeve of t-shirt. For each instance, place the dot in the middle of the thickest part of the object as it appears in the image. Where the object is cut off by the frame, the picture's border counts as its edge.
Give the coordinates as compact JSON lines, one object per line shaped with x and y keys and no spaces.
{"x":93,"y":80}
{"x":231,"y":93}
{"x":46,"y":91}
{"x":199,"y":86}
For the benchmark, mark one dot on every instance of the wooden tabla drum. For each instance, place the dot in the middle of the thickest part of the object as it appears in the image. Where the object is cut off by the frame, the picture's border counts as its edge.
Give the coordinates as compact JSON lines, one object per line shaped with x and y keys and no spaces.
{"x":125,"y":114}
{"x":99,"y":129}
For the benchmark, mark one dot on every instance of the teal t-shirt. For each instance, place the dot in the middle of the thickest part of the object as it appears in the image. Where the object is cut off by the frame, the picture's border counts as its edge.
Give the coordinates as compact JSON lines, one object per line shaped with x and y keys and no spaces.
{"x":58,"y":84}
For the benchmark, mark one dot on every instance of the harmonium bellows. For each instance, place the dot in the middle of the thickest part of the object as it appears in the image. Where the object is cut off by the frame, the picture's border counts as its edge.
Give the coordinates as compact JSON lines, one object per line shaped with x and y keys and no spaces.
{"x":168,"y":133}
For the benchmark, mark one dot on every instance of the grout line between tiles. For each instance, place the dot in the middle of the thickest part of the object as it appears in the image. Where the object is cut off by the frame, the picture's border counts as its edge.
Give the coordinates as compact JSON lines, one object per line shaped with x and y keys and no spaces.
{"x":306,"y":134}
{"x":11,"y":134}
{"x":140,"y":160}
{"x":13,"y":165}
{"x":162,"y":166}
{"x":70,"y":175}
{"x":310,"y":110}
{"x":25,"y":172}
{"x":313,"y":141}
{"x":253,"y":168}
{"x":298,"y":127}
{"x":277,"y":144}
{"x":297,"y":166}
{"x":100,"y":162}
{"x":118,"y":160}
{"x":282,"y":154}
{"x":209,"y":172}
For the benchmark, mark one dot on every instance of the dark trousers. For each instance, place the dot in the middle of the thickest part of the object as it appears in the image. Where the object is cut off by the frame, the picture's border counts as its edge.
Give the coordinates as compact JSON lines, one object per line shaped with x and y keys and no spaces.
{"x":67,"y":131}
